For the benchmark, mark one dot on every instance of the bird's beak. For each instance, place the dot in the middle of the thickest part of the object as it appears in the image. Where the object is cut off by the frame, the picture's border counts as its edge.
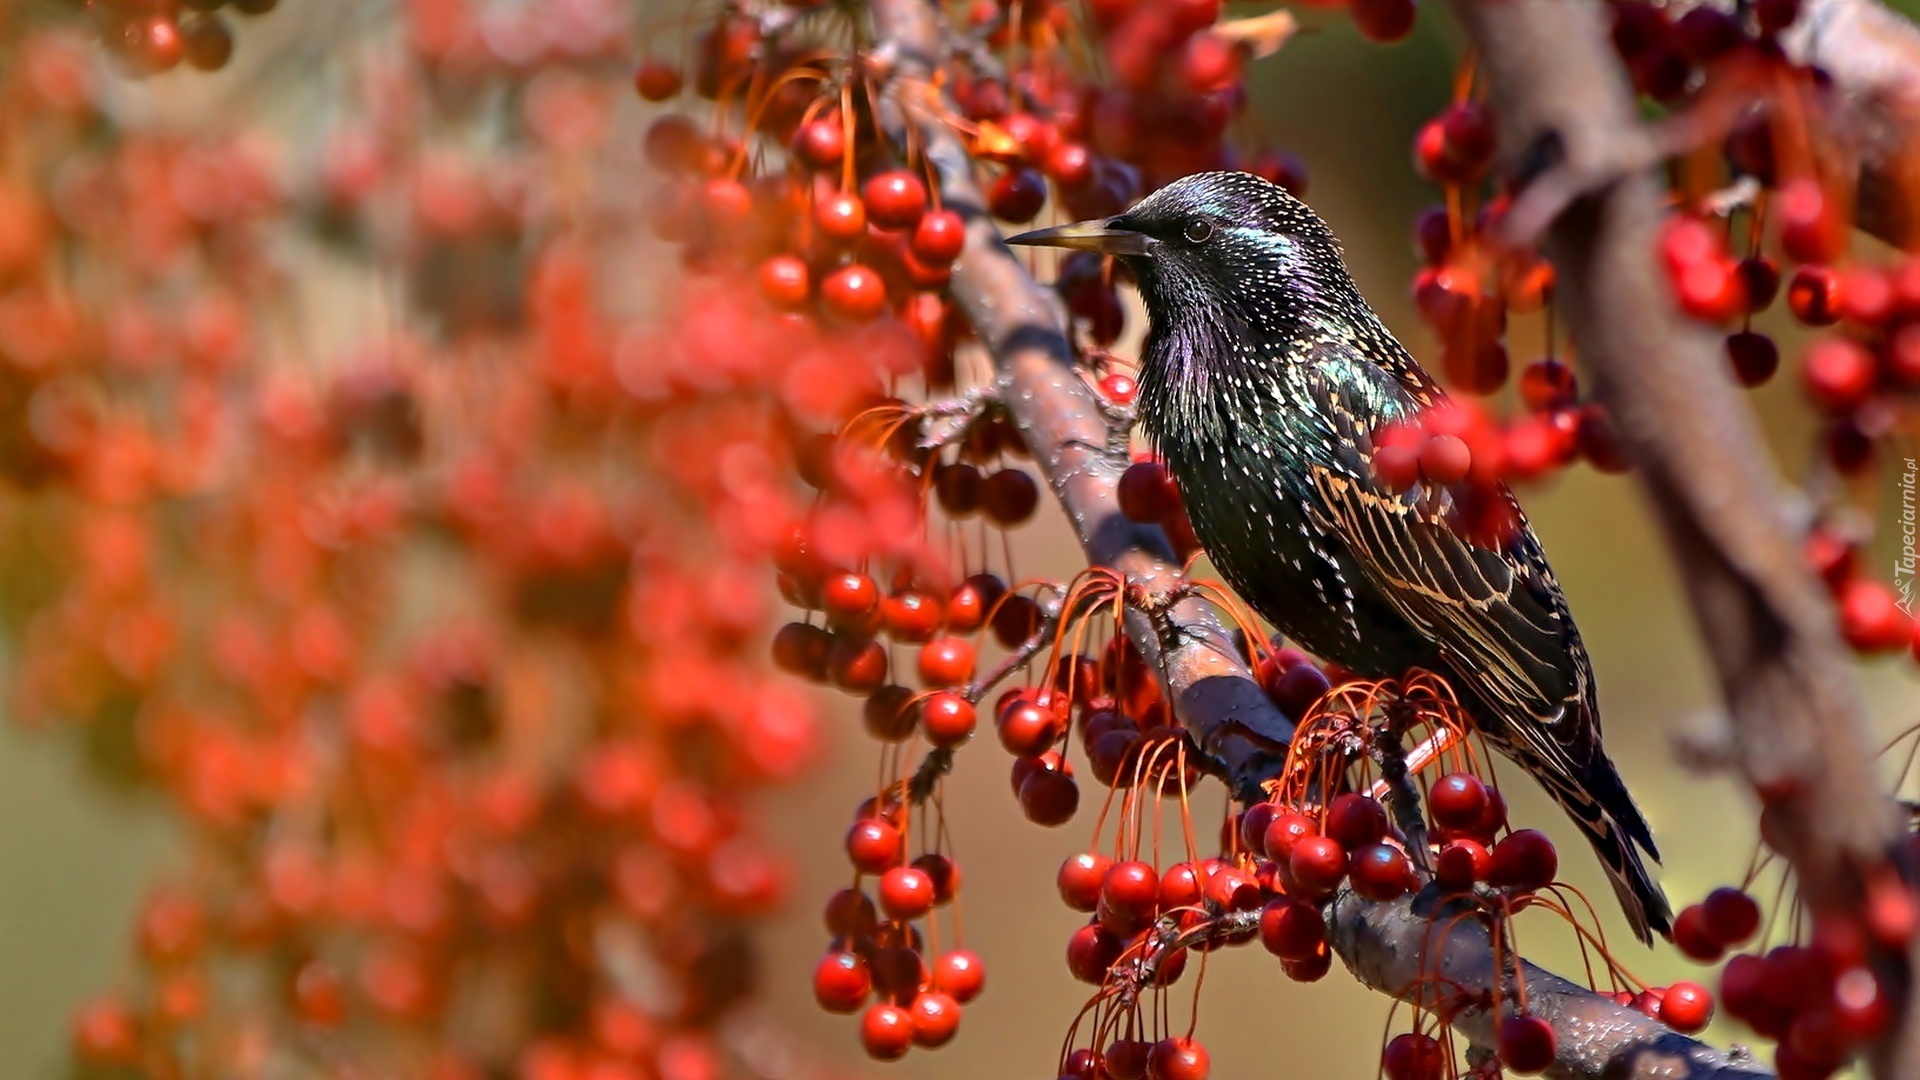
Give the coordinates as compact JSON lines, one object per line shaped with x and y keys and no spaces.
{"x":1099,"y":236}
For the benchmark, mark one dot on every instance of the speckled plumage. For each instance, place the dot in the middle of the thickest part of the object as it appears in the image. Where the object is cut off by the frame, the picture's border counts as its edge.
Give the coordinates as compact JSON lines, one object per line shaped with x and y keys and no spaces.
{"x":1265,"y":374}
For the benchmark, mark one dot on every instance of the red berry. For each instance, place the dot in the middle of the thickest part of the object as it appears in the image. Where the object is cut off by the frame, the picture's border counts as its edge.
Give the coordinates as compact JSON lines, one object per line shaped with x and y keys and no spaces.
{"x":1285,"y":831}
{"x":1299,"y":688}
{"x":841,"y":217}
{"x":886,"y":1031}
{"x":1524,"y":860}
{"x":1147,"y":493}
{"x":1292,"y":929}
{"x":1871,"y":618}
{"x":1859,"y":1006}
{"x":946,"y":661}
{"x":1182,"y":886}
{"x":874,"y":846}
{"x":1129,"y":895}
{"x":1318,"y":864}
{"x":1462,"y":864}
{"x":1091,"y":951}
{"x":1527,"y":1044}
{"x":841,"y":982}
{"x":1731,"y":915}
{"x":1312,"y":969}
{"x":785,"y":282}
{"x":1458,"y":802}
{"x":936,"y":1017}
{"x":1686,"y":1008}
{"x":1050,"y":796}
{"x":1546,"y":385}
{"x":1809,"y":229}
{"x":1230,"y":890}
{"x":854,"y":294}
{"x":1814,"y":294}
{"x":1009,"y":497}
{"x":1017,"y":195}
{"x":656,"y":81}
{"x":1839,"y":373}
{"x":1027,"y":728}
{"x":1711,"y":290}
{"x":889,"y":714}
{"x":856,"y":664}
{"x":1445,"y":459}
{"x":1755,"y":357}
{"x":1080,"y":878}
{"x":1355,"y":820}
{"x":1251,"y":826}
{"x":820,"y":143}
{"x":960,"y":974}
{"x":1412,"y":1056}
{"x":947,"y":719}
{"x":1381,"y":872}
{"x":1383,"y":21}
{"x":1126,"y":1059}
{"x":849,"y":599}
{"x":906,"y":893}
{"x":1178,"y":1059}
{"x":939,"y":237}
{"x":896,"y":199}
{"x":1760,"y":279}
{"x":1694,"y":937}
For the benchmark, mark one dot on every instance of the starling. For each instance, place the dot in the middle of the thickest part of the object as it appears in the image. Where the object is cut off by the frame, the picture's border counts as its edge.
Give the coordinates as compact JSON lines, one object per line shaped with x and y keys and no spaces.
{"x":1265,"y":378}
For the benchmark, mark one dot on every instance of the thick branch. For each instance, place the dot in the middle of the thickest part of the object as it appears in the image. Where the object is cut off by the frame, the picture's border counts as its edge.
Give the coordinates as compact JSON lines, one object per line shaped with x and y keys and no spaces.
{"x":1798,"y":728}
{"x":1213,"y":692}
{"x":1021,"y":322}
{"x":1398,"y":949}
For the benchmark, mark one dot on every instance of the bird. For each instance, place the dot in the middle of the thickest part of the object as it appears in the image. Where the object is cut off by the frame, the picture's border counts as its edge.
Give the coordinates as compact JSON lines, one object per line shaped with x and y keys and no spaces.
{"x":1265,"y":378}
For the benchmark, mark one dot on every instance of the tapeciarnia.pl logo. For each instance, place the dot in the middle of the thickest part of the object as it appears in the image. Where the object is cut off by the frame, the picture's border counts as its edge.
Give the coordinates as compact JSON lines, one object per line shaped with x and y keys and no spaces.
{"x":1903,"y":565}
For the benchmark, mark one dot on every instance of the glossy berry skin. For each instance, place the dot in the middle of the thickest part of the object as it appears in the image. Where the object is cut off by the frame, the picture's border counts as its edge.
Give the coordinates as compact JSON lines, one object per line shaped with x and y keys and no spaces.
{"x":936,"y":1019}
{"x":896,"y":199}
{"x":886,"y":1031}
{"x":1526,"y":1044}
{"x":1265,"y":374}
{"x":1412,"y":1056}
{"x":1458,"y":801}
{"x":1080,"y":878}
{"x":947,"y":719}
{"x":1687,"y":1007}
{"x":1731,"y":915}
{"x":960,"y":974}
{"x":1178,"y":1059}
{"x":841,"y":982}
{"x":1318,"y":864}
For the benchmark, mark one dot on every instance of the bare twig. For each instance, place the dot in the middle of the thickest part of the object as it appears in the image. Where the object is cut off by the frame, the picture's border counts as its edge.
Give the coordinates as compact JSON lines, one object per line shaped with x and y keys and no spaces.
{"x":1795,"y":713}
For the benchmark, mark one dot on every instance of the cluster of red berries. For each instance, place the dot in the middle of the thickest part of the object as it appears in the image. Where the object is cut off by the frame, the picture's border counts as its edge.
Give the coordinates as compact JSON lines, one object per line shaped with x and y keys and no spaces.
{"x":1820,"y":999}
{"x":1285,"y":863}
{"x":154,"y":37}
{"x":445,"y":646}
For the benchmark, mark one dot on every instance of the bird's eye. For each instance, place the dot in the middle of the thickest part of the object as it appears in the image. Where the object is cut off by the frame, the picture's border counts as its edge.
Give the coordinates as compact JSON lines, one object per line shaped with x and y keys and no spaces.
{"x":1198,"y":231}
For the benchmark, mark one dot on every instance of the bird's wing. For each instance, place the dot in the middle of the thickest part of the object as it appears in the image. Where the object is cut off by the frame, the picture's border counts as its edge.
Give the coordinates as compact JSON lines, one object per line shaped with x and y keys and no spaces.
{"x":1492,"y":606}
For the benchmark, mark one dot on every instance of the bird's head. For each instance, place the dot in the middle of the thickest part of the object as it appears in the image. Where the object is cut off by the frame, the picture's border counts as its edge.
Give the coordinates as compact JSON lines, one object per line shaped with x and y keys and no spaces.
{"x":1222,"y":242}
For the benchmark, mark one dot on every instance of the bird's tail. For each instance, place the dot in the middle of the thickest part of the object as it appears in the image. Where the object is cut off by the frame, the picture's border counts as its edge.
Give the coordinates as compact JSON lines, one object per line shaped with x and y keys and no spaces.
{"x":1598,"y":802}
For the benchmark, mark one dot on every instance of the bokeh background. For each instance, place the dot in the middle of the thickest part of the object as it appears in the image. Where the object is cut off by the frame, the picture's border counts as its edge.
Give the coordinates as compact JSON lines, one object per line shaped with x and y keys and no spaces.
{"x":74,"y":852}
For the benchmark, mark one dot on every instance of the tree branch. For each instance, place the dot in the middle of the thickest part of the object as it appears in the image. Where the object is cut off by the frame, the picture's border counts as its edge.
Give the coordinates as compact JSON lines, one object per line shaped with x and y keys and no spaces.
{"x":1399,"y":949}
{"x":1796,"y":715}
{"x":1208,"y":682}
